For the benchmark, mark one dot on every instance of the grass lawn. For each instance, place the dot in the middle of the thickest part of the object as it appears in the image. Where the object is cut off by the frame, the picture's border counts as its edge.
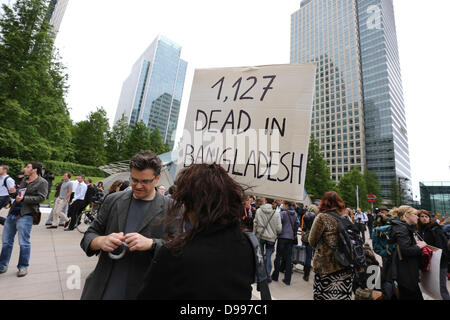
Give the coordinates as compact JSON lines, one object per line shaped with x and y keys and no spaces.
{"x":51,"y":197}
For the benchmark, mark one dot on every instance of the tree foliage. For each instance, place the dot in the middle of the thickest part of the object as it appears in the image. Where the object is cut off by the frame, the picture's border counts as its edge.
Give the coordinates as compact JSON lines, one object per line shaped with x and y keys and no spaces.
{"x":373,"y":186}
{"x":116,"y":141}
{"x":138,"y":140}
{"x":34,"y":119}
{"x":347,"y":189}
{"x":317,"y":180}
{"x":89,"y":138}
{"x":398,"y":193}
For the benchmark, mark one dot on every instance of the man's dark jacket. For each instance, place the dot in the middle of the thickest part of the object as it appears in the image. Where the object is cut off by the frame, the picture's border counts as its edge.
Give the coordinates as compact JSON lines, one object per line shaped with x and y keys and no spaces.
{"x":35,"y":194}
{"x":112,"y":219}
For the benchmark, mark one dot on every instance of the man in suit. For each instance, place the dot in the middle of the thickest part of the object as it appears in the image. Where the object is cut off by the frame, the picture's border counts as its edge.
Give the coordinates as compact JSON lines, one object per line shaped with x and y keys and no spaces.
{"x":131,"y":221}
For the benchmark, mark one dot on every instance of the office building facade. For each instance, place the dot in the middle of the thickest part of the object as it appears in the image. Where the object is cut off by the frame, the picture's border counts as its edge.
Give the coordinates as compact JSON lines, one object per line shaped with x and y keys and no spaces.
{"x":435,"y":197}
{"x":153,"y":91}
{"x":358,"y":112}
{"x":56,"y":10}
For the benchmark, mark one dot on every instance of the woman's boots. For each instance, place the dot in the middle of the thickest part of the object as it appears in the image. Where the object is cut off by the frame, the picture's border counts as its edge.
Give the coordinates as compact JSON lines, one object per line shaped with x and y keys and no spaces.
{"x":306,"y":271}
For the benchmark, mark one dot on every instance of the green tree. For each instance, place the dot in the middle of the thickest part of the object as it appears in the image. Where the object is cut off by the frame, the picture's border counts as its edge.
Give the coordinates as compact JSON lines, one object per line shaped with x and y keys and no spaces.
{"x":317,"y":180}
{"x":347,"y":189}
{"x":116,"y":141}
{"x":34,"y":119}
{"x":157,"y":144}
{"x":90,"y":137}
{"x":373,"y":186}
{"x":398,"y":193}
{"x":138,"y":140}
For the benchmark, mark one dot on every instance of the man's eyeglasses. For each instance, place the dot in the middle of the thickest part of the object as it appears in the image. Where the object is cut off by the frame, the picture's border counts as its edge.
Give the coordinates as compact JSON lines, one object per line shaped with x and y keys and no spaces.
{"x":143,"y":182}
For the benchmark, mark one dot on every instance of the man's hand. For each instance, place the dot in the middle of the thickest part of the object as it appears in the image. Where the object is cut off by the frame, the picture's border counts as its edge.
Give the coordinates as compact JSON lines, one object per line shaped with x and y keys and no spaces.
{"x":111,"y":242}
{"x":18,"y":199}
{"x":137,"y":242}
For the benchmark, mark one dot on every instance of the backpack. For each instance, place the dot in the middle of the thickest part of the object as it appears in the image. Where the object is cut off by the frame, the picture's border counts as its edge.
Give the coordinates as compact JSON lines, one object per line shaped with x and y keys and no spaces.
{"x":4,"y":183}
{"x":350,"y":251}
{"x":381,"y":241}
{"x":261,"y":273}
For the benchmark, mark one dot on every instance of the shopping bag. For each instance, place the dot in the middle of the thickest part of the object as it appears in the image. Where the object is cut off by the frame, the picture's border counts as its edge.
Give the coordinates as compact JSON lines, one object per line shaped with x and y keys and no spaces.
{"x":429,"y":283}
{"x":299,"y":254}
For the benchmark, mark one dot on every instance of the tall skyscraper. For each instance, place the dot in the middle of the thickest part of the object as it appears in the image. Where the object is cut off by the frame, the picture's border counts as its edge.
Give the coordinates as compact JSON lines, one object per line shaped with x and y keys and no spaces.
{"x":152,"y":92}
{"x":358,"y":112}
{"x":55,"y":14}
{"x":56,"y":11}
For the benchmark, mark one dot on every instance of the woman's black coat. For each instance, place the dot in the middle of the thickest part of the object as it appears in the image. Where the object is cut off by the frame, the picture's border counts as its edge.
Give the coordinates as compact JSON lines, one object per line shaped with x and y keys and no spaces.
{"x":218,"y":264}
{"x":434,"y":236}
{"x":407,"y":267}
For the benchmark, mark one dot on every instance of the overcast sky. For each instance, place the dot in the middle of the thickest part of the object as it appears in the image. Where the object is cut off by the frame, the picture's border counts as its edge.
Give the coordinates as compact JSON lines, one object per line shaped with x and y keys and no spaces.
{"x":100,"y":40}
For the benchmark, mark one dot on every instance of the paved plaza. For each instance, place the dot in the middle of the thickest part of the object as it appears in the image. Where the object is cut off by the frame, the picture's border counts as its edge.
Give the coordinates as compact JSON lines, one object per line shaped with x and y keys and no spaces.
{"x":57,"y":260}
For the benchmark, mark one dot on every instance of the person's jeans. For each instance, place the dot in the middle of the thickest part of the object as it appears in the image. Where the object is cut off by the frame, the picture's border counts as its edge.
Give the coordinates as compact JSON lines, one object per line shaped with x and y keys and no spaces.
{"x":284,"y":249}
{"x":267,"y":249}
{"x":22,"y":226}
{"x":309,"y":255}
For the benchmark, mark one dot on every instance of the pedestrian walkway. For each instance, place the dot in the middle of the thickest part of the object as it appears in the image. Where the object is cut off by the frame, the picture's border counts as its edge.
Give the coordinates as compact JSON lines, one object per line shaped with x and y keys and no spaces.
{"x":55,"y":263}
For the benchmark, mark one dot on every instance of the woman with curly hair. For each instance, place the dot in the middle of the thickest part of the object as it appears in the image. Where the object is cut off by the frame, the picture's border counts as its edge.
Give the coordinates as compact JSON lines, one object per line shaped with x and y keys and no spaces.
{"x":213,"y":259}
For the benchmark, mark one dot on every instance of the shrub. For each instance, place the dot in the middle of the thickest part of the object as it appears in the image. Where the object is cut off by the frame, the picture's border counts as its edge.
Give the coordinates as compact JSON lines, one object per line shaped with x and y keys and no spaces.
{"x":57,"y":167}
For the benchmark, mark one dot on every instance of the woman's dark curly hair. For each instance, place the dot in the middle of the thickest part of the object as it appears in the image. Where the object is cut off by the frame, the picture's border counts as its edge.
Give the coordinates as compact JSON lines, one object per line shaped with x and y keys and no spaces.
{"x":210,"y":196}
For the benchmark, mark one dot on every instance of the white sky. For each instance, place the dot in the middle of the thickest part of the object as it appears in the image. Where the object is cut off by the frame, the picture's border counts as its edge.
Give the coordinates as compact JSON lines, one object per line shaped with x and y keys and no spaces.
{"x":100,"y":40}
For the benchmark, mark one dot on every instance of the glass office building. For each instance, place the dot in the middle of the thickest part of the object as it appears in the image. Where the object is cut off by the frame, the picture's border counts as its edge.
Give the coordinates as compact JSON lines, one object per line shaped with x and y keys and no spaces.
{"x":56,"y":10}
{"x":358,"y":111}
{"x":435,"y":197}
{"x":152,"y":93}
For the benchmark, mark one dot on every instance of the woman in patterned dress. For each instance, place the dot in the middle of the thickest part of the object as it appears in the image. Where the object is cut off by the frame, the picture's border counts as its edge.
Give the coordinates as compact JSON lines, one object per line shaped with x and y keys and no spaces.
{"x":331,"y":281}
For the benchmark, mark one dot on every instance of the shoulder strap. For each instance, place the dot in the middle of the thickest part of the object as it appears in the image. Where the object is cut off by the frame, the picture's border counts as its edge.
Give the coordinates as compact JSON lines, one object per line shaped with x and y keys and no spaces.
{"x":265,"y":227}
{"x":4,"y":182}
{"x":261,"y":273}
{"x":334,"y":215}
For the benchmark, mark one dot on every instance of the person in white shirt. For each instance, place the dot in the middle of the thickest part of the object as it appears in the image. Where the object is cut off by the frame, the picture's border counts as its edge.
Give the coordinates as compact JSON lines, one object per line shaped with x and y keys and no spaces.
{"x":77,"y":204}
{"x":7,"y":186}
{"x":361,"y":220}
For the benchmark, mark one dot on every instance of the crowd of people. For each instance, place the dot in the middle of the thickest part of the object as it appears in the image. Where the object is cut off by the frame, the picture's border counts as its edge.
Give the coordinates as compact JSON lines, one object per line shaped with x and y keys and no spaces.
{"x":190,"y":242}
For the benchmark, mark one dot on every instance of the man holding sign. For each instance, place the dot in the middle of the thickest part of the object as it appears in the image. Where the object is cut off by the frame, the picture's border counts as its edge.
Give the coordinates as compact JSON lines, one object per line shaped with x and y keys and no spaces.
{"x":255,"y":122}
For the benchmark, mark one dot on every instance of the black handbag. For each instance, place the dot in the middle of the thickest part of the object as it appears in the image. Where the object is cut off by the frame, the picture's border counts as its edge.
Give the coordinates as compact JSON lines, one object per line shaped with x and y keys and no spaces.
{"x":36,"y":217}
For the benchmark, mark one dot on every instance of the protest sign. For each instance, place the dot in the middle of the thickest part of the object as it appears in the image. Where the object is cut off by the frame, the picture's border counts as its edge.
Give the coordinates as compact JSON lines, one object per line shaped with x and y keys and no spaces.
{"x":255,"y":122}
{"x":430,"y":284}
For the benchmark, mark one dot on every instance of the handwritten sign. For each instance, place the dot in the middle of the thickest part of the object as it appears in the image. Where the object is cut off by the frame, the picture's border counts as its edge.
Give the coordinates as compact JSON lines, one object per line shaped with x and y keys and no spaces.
{"x":255,"y":122}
